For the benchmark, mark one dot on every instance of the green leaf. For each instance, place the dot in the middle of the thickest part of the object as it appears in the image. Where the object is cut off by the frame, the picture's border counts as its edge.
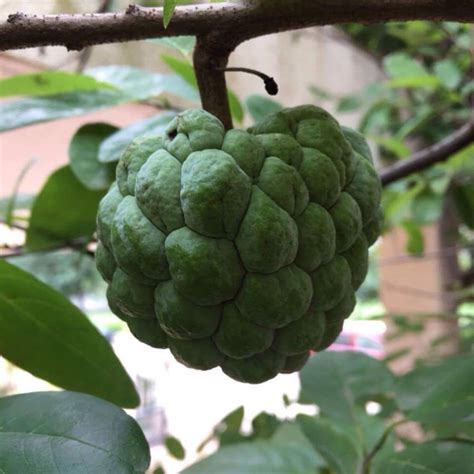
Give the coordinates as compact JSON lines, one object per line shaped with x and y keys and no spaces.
{"x":397,"y":203}
{"x":336,"y":381}
{"x":137,"y":83}
{"x":320,"y":93}
{"x":392,"y":144}
{"x":260,"y":106}
{"x":132,"y":84}
{"x":174,"y":447}
{"x":426,"y":207}
{"x":289,"y":434}
{"x":446,"y":403}
{"x":63,"y":211}
{"x":258,"y":456}
{"x":400,"y":64}
{"x":182,"y":68}
{"x":83,"y":156}
{"x":429,"y":458}
{"x":410,"y":82}
{"x":168,"y":10}
{"x":42,"y":109}
{"x":111,"y":149}
{"x":69,"y":433}
{"x":415,"y":243}
{"x":48,"y":83}
{"x":427,"y":387}
{"x":183,"y":44}
{"x":464,"y":201}
{"x":448,"y":73}
{"x":236,"y":109}
{"x":349,"y":103}
{"x":43,"y":333}
{"x":336,"y":447}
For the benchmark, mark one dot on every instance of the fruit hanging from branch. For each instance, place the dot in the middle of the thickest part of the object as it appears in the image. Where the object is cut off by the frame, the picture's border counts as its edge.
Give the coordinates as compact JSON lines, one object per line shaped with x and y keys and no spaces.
{"x":240,"y":249}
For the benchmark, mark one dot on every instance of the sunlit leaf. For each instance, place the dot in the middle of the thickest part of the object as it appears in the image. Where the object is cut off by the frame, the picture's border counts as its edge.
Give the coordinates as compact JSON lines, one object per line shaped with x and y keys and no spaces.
{"x":43,"y":333}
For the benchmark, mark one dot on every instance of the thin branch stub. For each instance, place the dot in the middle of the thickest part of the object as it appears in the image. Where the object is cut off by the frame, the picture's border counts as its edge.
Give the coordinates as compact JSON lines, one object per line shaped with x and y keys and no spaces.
{"x":270,"y":84}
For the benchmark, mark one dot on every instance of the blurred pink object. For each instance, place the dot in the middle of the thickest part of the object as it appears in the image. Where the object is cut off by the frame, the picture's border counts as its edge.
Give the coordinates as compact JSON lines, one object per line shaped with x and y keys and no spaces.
{"x":361,"y":336}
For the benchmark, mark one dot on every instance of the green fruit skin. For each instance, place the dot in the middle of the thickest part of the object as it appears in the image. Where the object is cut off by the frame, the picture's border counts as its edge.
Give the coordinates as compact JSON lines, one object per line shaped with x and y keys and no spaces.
{"x":240,"y":249}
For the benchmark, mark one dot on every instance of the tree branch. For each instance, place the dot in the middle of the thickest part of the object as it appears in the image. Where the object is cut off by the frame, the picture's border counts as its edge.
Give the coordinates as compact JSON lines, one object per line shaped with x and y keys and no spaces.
{"x":425,"y":158}
{"x":236,"y":21}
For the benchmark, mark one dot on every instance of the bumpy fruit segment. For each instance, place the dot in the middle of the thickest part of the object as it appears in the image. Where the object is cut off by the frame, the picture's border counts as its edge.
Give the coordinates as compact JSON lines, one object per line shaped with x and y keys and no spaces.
{"x":240,"y":249}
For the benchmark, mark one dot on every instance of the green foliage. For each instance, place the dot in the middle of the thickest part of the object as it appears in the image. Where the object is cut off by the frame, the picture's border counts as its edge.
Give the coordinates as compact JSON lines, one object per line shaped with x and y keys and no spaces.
{"x":174,"y":447}
{"x":119,"y":84}
{"x":43,"y":333}
{"x":168,"y":9}
{"x":67,"y":432}
{"x":425,"y":96}
{"x":49,"y":83}
{"x":83,"y":156}
{"x":63,"y":211}
{"x":345,"y":439}
{"x":337,"y":382}
{"x":435,"y":458}
{"x":113,"y":147}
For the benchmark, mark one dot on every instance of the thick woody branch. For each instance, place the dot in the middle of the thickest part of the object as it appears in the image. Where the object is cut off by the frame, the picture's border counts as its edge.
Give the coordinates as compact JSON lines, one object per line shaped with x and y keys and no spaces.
{"x":210,"y":58}
{"x":235,"y":22}
{"x":429,"y":156}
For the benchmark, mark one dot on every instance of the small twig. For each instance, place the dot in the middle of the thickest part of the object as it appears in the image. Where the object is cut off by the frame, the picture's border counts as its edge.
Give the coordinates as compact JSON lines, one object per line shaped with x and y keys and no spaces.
{"x":429,"y":156}
{"x":270,"y":84}
{"x":365,"y":469}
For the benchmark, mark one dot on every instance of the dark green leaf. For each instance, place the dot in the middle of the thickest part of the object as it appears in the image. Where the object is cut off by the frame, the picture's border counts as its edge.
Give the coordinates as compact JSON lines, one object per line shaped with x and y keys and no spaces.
{"x":83,"y":156}
{"x":464,"y":201}
{"x":260,"y":106}
{"x":415,"y":242}
{"x":335,"y":381}
{"x":447,"y":404}
{"x":429,"y":458}
{"x":64,"y":210}
{"x":174,"y":447}
{"x":112,"y":147}
{"x":168,"y":9}
{"x":337,"y":448}
{"x":43,"y":333}
{"x":68,"y":433}
{"x":258,"y":456}
{"x":289,"y":434}
{"x":48,"y":83}
{"x":425,"y":384}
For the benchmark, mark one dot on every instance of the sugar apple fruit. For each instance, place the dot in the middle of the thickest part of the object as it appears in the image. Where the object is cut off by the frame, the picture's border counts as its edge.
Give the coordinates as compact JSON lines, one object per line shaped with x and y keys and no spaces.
{"x":240,"y":249}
